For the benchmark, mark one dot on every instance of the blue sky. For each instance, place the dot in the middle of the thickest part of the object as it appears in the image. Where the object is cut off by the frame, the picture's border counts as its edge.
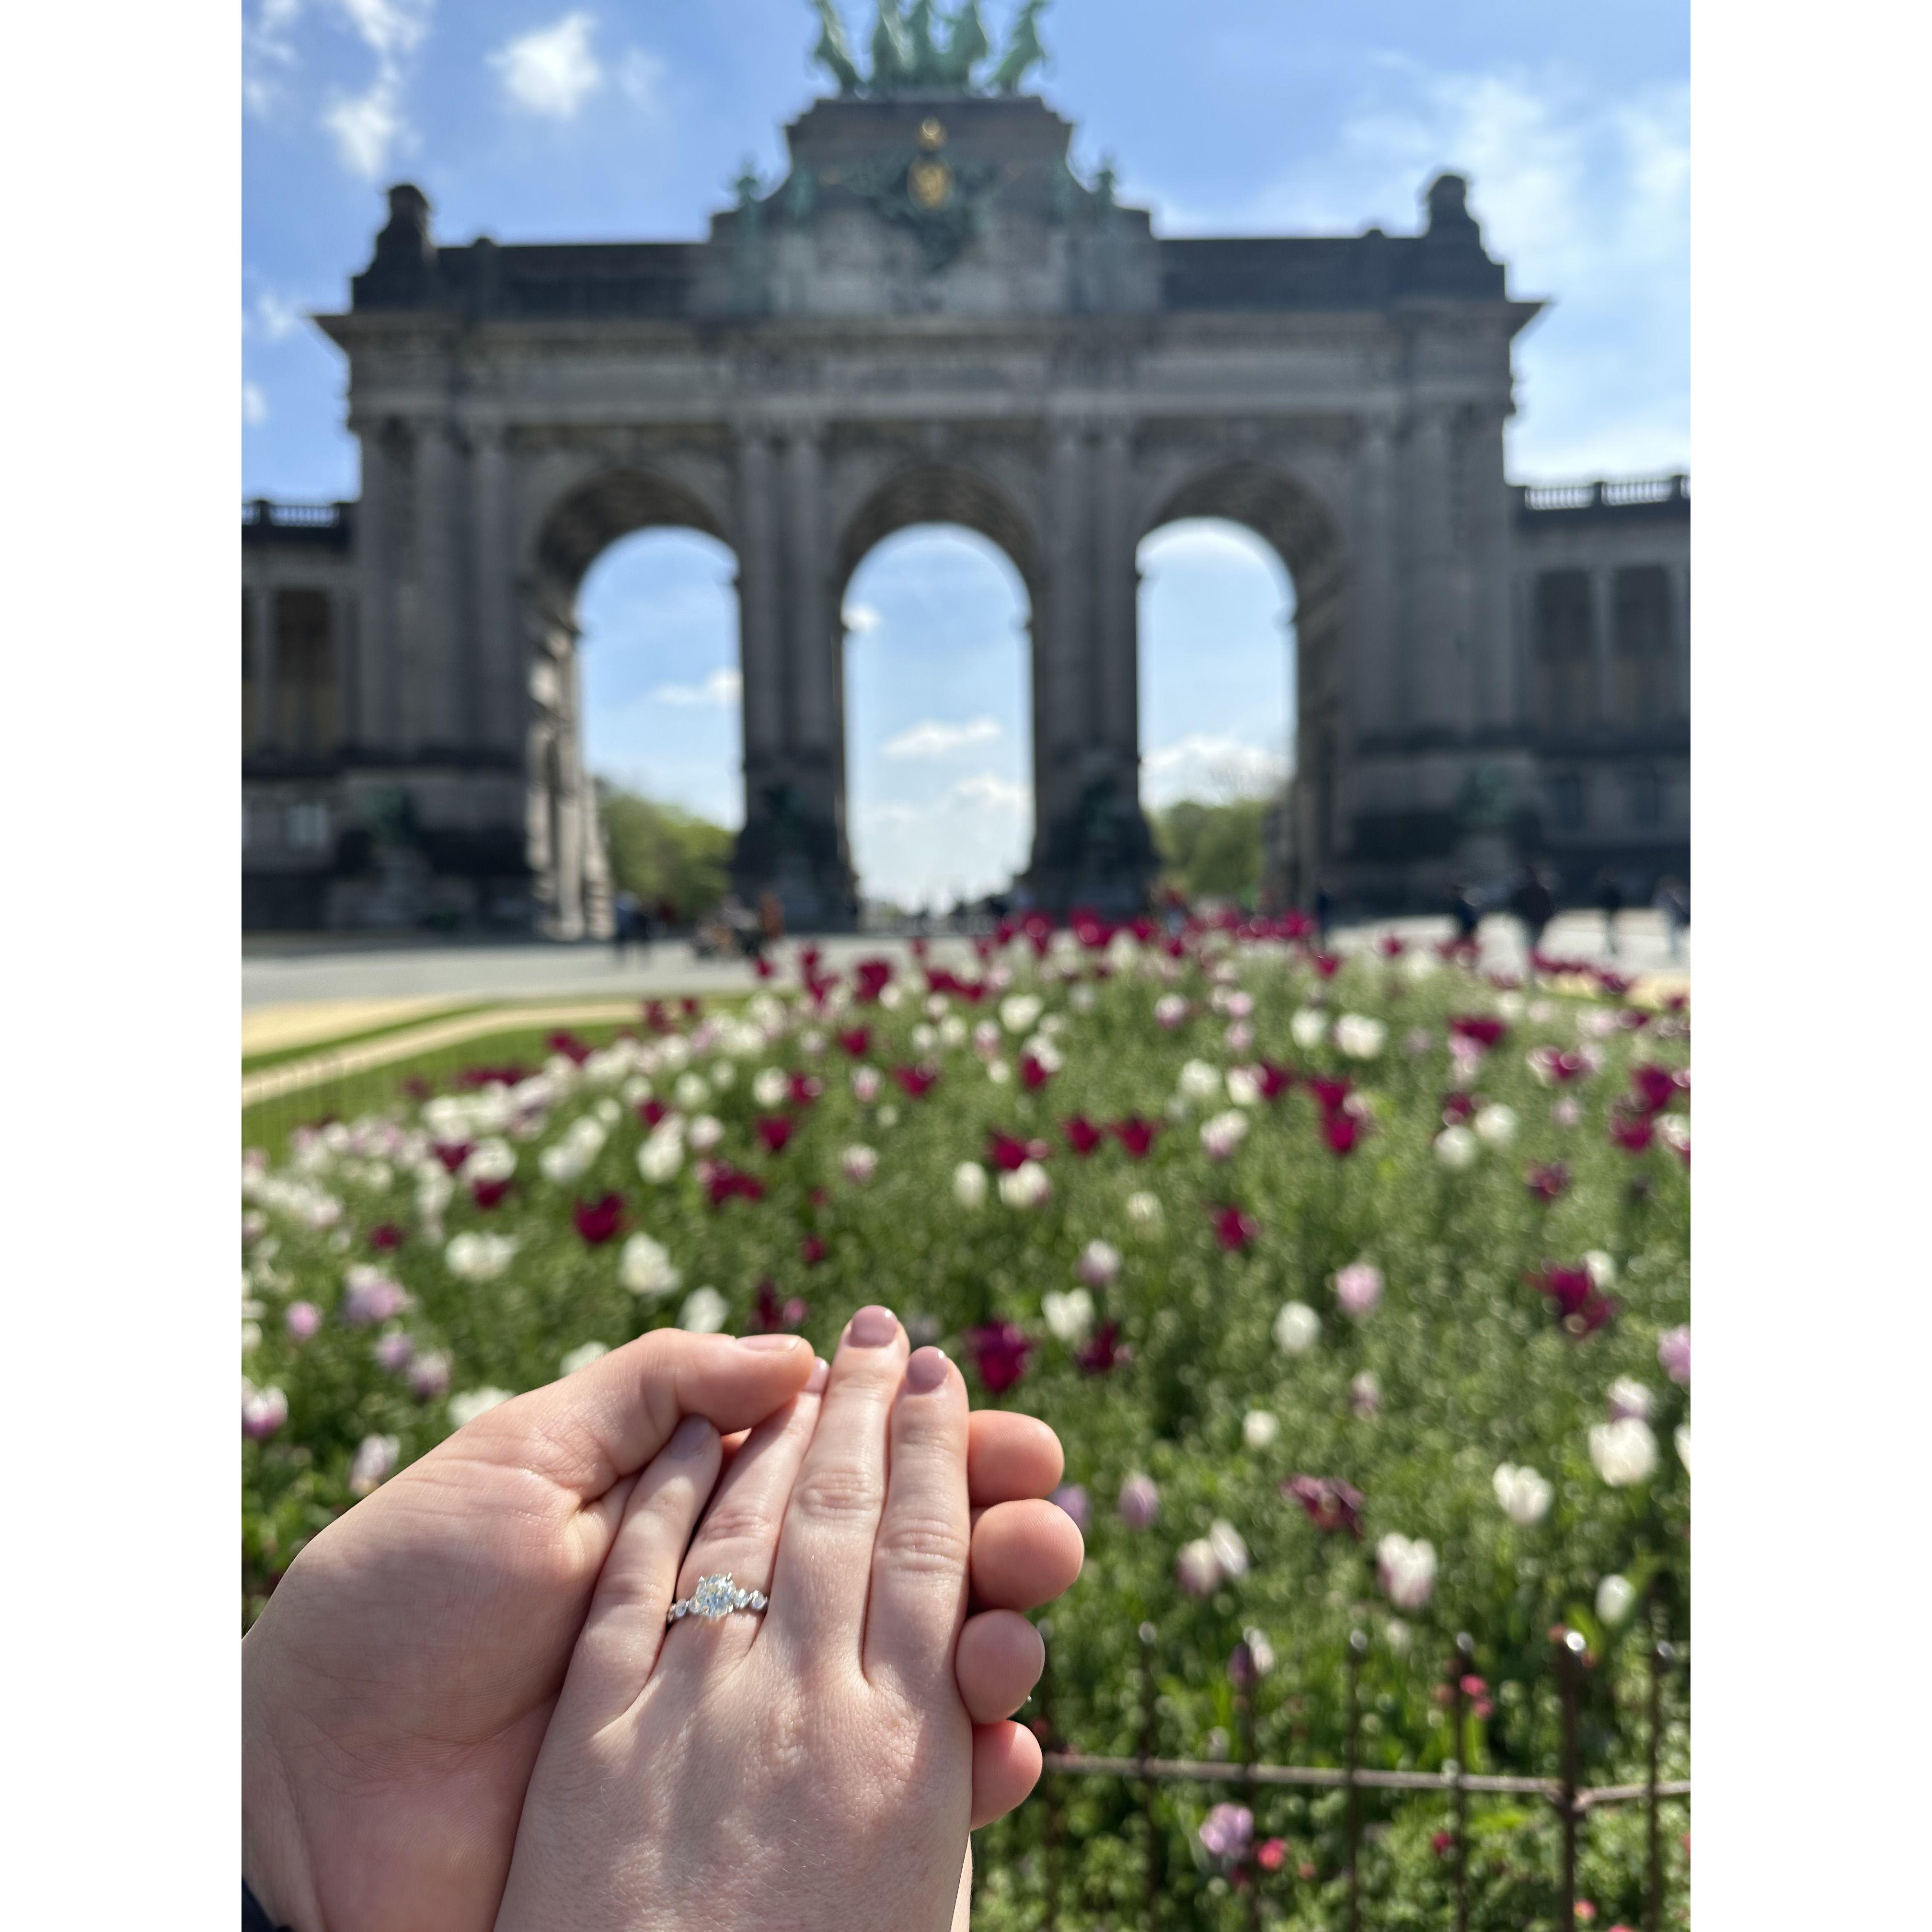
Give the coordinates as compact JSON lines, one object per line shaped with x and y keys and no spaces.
{"x":533,"y":120}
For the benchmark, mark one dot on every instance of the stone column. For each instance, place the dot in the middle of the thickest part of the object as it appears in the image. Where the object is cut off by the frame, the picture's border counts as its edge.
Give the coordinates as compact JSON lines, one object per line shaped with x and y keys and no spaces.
{"x":437,"y":719}
{"x":379,"y":681}
{"x":1680,"y":637}
{"x":1431,"y":674}
{"x":760,"y":655}
{"x":501,"y":680}
{"x":1063,"y":633}
{"x":1372,"y":601}
{"x":1114,"y":719}
{"x":261,"y":621}
{"x":1603,"y":646}
{"x":569,"y":822}
{"x":1489,"y":605}
{"x":811,"y":684}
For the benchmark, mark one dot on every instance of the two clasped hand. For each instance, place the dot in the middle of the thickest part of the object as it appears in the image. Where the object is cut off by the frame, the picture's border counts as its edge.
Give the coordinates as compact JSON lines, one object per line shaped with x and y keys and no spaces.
{"x":475,"y":1662}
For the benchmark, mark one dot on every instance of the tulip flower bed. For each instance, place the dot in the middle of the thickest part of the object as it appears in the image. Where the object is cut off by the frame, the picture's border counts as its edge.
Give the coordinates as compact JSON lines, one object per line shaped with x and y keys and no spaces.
{"x":1358,"y":1292}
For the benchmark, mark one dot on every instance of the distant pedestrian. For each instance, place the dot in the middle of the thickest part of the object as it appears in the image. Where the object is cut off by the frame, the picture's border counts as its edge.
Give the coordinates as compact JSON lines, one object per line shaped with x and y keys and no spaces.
{"x":1534,"y":904}
{"x":1609,"y":903}
{"x":626,"y":915}
{"x":771,"y":917}
{"x":1463,"y":909}
{"x":1672,"y":900}
{"x":1325,"y":912}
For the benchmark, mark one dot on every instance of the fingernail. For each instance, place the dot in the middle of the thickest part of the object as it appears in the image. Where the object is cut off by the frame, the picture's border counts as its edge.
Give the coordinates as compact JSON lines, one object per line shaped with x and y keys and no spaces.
{"x":689,"y":1438}
{"x":815,"y":1383}
{"x":771,"y":1341}
{"x":926,"y":1370}
{"x":872,"y":1328}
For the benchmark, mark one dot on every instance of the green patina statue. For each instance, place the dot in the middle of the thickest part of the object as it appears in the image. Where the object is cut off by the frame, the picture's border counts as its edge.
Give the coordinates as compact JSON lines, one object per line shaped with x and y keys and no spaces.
{"x":908,"y":54}
{"x":1023,"y":50}
{"x":834,"y":52}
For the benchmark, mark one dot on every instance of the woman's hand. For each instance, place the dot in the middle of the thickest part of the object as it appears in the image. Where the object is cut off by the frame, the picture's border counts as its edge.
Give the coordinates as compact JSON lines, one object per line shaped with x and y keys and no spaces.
{"x":395,"y":1691}
{"x":816,"y":1766}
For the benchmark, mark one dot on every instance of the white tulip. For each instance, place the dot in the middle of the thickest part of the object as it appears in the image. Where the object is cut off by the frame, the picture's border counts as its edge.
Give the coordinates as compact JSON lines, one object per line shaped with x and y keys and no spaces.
{"x":644,"y":1267}
{"x":1496,"y":1124}
{"x":1070,"y":1316}
{"x":1616,"y":1597}
{"x":1358,"y":1037}
{"x":466,"y":1407}
{"x":1296,"y":1328}
{"x":703,"y":1311}
{"x":1407,"y":1569}
{"x":1200,"y":1082}
{"x":1456,"y":1148}
{"x":1683,"y":1440}
{"x":1026,"y":1186}
{"x":1526,"y":1497}
{"x":1259,"y":1427}
{"x":1230,"y":1551}
{"x":1144,"y":1211}
{"x":1243,"y":1089}
{"x":770,"y":1087}
{"x":476,"y":1257}
{"x":1625,"y":1451}
{"x":1308,"y":1028}
{"x":582,"y":1356}
{"x":969,"y":1184}
{"x":704,"y":1133}
{"x":1019,"y":1012}
{"x":1221,"y":1135}
{"x":692,"y":1091}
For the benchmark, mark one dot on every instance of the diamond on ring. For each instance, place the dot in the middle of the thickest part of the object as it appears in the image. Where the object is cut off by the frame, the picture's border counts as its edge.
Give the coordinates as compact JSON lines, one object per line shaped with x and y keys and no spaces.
{"x":716,"y":1596}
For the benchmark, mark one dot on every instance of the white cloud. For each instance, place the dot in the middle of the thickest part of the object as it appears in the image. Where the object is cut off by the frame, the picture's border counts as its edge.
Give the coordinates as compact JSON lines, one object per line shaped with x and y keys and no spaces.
{"x":280,"y":318}
{"x":371,"y":128}
{"x":932,"y":738}
{"x":1584,"y":193}
{"x":368,"y":128}
{"x":267,"y":53}
{"x":722,"y":687}
{"x":641,"y":76}
{"x":551,"y":71}
{"x":254,"y":404}
{"x":987,"y":791}
{"x":1201,"y":540}
{"x":1207,"y":765}
{"x":860,"y":618}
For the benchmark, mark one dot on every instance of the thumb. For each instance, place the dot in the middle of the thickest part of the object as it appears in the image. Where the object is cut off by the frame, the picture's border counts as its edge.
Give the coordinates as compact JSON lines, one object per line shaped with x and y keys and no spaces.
{"x":604,"y":1423}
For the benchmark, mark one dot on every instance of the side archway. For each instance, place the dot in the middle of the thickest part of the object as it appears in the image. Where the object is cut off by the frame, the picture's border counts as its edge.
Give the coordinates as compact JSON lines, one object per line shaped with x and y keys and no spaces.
{"x":569,"y":868}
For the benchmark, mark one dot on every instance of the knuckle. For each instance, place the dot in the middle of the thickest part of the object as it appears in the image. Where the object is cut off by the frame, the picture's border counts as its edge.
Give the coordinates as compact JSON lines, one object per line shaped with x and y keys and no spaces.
{"x":735,"y":1521}
{"x":924,"y":1542}
{"x":840,"y":1492}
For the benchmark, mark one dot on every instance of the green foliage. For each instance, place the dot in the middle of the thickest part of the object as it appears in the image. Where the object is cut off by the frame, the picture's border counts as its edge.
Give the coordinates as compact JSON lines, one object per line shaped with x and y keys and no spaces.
{"x":1212,"y":851}
{"x":1472,"y":1367}
{"x":660,"y":852}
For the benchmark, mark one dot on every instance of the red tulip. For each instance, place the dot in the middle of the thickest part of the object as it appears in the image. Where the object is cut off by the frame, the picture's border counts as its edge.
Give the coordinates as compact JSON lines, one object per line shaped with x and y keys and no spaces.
{"x":1547,"y":1183}
{"x":812,"y":1251}
{"x":775,"y":1129}
{"x":1273,"y":1081}
{"x":1580,"y":1308}
{"x":575,"y":1051}
{"x":1332,"y":1504}
{"x":452,"y":1153}
{"x":1633,"y":1132}
{"x":1457,"y":1107}
{"x":857,"y":1041}
{"x":869,"y":980}
{"x":655,"y":1018}
{"x":1102,"y":1350}
{"x":1342,"y":1130}
{"x":1005,"y":1153}
{"x":1135,"y":1135}
{"x":385,"y":1234}
{"x":1390,"y":947}
{"x":598,"y":1220}
{"x":999,"y":1351}
{"x":1033,"y":1075}
{"x":1082,"y":1136}
{"x":915,"y":1080}
{"x":722,"y":1180}
{"x":1657,"y":1087}
{"x":1233,"y":1229}
{"x":771,"y":1316}
{"x":1328,"y":964}
{"x":652,"y":1112}
{"x":1329,"y":1094}
{"x":487,"y":1193}
{"x":806,"y":1088}
{"x":1485,"y":1029}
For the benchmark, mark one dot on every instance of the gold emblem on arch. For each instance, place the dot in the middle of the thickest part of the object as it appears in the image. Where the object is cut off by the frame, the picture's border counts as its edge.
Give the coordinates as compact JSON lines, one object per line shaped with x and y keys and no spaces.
{"x":931,"y":183}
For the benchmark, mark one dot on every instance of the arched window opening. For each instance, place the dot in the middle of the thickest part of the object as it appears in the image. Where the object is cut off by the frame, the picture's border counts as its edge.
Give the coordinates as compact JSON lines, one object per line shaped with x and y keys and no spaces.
{"x":1644,"y":686}
{"x":305,"y":673}
{"x":939,"y":754}
{"x":1217,"y":706}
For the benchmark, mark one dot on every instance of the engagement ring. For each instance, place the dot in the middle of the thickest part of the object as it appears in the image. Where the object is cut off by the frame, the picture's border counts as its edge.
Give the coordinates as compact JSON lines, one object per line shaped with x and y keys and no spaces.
{"x":715,"y":1596}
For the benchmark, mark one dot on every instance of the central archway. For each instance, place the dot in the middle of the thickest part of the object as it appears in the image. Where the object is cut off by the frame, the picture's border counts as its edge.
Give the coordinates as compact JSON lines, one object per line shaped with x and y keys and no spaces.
{"x":974,"y":739}
{"x":1298,"y":525}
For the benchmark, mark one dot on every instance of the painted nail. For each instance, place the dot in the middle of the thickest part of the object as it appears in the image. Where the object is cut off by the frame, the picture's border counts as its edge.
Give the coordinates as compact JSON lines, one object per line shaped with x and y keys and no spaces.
{"x":815,"y":1383}
{"x":926,"y":1371}
{"x":872,"y":1328}
{"x":771,"y":1341}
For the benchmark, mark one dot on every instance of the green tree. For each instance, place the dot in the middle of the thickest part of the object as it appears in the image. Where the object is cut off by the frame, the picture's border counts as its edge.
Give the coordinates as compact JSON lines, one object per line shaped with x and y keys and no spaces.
{"x":1211,"y":850}
{"x":664,"y":854}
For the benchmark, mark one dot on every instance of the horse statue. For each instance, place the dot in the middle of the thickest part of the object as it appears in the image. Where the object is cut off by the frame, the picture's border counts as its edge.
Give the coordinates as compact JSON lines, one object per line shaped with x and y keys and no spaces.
{"x":892,"y":55}
{"x":1023,"y":50}
{"x":834,"y":52}
{"x":966,"y":47}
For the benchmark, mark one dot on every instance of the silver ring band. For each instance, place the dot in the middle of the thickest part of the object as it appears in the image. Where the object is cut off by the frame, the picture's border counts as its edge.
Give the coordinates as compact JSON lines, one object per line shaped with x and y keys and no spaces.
{"x":716,"y":1596}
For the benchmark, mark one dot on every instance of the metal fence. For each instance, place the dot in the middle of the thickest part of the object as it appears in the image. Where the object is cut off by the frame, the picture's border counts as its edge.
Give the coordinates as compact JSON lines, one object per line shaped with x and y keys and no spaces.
{"x":1571,"y":1801}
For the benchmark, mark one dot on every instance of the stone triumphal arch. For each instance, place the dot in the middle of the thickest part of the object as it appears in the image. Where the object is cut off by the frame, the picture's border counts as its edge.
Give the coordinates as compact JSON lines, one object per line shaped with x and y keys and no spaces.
{"x":932,"y":318}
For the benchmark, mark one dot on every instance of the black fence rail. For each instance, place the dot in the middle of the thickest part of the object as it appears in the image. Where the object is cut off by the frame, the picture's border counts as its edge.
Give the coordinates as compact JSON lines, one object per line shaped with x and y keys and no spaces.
{"x":1571,"y":1801}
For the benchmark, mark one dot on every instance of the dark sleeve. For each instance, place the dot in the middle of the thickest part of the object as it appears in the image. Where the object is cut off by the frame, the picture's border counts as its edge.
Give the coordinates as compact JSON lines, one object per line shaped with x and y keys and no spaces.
{"x":254,"y":1918}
